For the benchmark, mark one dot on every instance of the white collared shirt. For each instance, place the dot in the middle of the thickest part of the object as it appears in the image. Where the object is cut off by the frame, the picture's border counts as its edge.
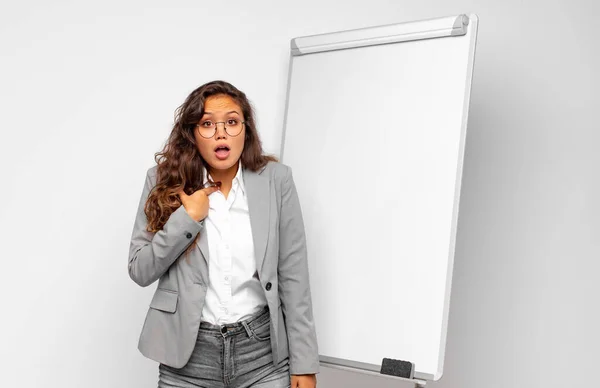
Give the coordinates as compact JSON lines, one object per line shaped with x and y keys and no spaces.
{"x":234,"y":291}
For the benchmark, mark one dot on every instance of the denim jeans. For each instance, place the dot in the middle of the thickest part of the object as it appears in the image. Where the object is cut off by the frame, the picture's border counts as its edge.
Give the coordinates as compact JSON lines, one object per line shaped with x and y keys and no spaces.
{"x":235,"y":355}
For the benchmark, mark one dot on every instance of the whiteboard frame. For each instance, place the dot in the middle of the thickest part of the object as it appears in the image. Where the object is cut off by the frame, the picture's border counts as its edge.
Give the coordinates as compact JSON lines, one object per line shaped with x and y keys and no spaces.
{"x":449,"y":26}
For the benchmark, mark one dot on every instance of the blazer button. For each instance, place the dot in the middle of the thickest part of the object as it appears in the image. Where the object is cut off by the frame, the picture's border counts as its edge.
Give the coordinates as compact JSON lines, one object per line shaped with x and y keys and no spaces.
{"x":268,"y":286}
{"x":188,"y":235}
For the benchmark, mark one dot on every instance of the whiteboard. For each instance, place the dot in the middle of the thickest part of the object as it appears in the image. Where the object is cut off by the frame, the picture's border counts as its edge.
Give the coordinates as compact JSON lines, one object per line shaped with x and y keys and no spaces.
{"x":374,"y":131}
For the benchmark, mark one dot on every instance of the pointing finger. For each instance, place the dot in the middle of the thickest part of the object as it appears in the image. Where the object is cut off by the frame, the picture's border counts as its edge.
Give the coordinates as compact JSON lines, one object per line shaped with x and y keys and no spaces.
{"x":211,"y":189}
{"x":211,"y":184}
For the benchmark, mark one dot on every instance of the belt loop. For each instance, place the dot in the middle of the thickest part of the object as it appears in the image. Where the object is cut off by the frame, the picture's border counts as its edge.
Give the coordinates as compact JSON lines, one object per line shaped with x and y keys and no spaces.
{"x":248,"y":331}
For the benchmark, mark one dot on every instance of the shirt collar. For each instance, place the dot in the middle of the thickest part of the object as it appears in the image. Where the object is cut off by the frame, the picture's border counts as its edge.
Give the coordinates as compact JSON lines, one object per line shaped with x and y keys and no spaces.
{"x":239,"y":177}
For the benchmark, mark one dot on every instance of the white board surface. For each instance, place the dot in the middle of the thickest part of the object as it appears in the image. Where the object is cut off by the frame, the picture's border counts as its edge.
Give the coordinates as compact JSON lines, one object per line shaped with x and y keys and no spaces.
{"x":375,"y":137}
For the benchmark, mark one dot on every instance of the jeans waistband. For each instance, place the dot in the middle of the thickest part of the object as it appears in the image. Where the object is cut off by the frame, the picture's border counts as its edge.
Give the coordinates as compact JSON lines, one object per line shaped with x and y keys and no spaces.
{"x":253,"y":322}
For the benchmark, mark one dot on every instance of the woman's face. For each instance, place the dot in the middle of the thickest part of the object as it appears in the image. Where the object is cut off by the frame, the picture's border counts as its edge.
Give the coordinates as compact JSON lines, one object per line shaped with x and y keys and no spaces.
{"x":221,"y":151}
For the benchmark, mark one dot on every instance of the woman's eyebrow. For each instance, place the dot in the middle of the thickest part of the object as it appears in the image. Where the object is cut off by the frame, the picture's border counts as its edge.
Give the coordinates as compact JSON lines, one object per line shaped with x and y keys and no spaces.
{"x":231,"y":111}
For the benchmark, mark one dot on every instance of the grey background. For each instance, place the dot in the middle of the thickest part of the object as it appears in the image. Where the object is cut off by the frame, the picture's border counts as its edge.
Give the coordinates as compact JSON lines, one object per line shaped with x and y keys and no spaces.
{"x":87,"y":93}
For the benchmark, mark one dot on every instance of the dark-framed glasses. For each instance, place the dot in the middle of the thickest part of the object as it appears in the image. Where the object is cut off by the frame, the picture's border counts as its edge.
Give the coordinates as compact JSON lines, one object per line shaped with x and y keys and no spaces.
{"x":207,"y":128}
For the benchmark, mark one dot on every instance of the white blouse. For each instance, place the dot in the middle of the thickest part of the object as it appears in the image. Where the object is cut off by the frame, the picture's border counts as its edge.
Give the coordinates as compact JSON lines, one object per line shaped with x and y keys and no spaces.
{"x":234,"y":291}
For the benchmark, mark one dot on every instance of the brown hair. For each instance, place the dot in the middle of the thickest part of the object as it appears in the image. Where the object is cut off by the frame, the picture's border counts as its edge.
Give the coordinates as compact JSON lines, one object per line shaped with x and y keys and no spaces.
{"x":180,"y":165}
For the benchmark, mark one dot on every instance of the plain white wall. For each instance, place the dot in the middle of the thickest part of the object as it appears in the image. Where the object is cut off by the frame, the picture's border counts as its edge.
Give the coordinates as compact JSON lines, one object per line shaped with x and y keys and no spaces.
{"x":87,"y":94}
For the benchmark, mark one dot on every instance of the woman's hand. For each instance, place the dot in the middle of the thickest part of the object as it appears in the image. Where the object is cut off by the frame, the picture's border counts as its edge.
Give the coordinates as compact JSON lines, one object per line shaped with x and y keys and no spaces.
{"x":304,"y":381}
{"x":196,"y":204}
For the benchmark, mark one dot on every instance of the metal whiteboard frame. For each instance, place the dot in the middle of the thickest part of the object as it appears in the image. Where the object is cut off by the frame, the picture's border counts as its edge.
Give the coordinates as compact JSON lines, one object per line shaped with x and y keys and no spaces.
{"x":450,"y":26}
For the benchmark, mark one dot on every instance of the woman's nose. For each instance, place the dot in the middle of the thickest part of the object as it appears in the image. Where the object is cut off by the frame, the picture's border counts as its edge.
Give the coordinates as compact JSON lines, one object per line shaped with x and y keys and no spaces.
{"x":220,"y":131}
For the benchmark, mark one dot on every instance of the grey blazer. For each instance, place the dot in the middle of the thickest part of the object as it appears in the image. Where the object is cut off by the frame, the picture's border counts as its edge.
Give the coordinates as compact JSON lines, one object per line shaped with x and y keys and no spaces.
{"x":173,"y":318}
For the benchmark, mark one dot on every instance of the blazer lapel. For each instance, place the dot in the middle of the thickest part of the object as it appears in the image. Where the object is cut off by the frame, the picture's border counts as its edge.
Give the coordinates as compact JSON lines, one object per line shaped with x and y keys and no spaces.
{"x":259,"y":199}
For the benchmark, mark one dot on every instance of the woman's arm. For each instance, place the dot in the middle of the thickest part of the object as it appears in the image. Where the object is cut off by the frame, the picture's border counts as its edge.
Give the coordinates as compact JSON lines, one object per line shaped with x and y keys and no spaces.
{"x":151,"y":254}
{"x":294,"y":288}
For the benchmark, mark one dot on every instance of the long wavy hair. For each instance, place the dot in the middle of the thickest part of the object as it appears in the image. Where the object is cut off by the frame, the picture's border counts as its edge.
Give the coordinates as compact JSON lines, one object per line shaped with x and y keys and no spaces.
{"x":180,"y":165}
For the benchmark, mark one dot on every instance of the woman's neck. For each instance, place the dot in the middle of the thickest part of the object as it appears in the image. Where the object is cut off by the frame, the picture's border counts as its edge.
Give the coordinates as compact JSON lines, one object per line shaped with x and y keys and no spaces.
{"x":225,"y":177}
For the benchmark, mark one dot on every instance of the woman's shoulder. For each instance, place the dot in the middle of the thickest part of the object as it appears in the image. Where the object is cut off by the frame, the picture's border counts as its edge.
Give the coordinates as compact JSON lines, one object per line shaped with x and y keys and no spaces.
{"x":151,"y":175}
{"x":151,"y":172}
{"x":277,"y":170}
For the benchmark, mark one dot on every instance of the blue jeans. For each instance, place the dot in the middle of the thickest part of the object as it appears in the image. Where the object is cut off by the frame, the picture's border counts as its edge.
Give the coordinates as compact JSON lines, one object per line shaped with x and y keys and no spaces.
{"x":235,"y":355}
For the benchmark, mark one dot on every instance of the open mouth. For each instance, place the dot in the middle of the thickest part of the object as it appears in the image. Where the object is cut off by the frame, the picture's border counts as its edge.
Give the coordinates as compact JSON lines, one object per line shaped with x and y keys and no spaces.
{"x":222,"y":151}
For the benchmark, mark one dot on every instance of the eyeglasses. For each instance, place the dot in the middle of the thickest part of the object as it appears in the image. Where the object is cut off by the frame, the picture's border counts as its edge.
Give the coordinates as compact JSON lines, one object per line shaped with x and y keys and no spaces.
{"x":207,"y":128}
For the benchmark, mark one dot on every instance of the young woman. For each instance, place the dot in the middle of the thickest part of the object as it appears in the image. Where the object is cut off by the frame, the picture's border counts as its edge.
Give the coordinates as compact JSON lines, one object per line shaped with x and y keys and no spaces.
{"x":219,"y":226}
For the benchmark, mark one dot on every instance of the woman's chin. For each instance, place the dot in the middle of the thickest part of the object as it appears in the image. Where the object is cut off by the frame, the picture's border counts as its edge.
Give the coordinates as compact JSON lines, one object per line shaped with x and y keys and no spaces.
{"x":224,"y":164}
